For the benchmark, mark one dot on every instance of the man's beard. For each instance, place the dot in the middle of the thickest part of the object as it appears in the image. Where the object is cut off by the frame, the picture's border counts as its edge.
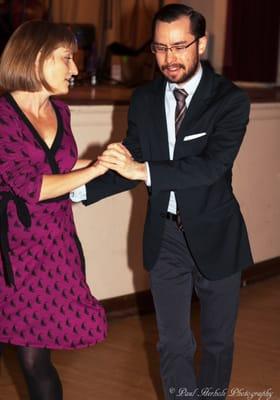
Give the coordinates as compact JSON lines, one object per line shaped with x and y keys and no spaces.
{"x":187,"y":75}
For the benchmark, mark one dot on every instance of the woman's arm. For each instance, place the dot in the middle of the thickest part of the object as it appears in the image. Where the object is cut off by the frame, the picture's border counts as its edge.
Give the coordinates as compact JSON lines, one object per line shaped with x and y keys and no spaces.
{"x":58,"y":185}
{"x":82,"y":163}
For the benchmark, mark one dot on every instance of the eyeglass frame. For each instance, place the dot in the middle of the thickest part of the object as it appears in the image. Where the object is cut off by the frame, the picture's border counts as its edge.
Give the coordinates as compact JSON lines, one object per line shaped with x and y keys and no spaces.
{"x":171,"y":48}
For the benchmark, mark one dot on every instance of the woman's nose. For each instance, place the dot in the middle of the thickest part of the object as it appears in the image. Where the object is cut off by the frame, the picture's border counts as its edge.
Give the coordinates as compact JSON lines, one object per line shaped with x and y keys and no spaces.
{"x":74,"y":69}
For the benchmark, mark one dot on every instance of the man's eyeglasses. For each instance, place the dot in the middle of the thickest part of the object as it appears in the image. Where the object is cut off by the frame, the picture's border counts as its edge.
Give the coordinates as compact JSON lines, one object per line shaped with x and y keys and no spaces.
{"x":176,"y":48}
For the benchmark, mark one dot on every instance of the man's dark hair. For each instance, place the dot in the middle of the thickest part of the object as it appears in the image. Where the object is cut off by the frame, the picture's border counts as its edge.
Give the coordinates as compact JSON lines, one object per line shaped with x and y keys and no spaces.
{"x":172,"y":12}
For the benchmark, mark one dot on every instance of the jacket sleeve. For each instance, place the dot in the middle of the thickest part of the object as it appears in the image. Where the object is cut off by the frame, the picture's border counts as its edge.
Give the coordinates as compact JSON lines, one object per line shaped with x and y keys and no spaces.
{"x":111,"y":182}
{"x":216,"y":159}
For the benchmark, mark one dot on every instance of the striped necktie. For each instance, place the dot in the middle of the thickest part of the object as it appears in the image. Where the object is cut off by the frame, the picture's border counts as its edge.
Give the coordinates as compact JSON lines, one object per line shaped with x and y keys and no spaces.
{"x":180,"y":96}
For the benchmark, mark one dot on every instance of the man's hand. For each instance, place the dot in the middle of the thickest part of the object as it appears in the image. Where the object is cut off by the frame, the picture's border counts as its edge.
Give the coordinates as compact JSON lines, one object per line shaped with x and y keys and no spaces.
{"x":119,"y":159}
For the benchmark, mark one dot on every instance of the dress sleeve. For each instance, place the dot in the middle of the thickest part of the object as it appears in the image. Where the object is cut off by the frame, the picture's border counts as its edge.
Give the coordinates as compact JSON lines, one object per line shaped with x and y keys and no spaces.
{"x":17,"y":170}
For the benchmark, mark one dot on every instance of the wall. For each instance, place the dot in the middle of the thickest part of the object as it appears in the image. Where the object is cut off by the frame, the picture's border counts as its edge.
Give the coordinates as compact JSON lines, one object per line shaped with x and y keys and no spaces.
{"x":257,"y":180}
{"x":111,"y":230}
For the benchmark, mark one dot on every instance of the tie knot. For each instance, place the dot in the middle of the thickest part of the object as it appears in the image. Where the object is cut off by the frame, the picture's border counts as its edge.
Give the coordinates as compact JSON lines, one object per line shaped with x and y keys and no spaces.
{"x":180,"y":95}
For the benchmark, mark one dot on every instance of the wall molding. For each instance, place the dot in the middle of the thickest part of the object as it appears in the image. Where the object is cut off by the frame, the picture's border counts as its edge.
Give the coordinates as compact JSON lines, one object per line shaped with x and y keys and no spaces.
{"x":260,"y":271}
{"x":140,"y":303}
{"x":265,"y":111}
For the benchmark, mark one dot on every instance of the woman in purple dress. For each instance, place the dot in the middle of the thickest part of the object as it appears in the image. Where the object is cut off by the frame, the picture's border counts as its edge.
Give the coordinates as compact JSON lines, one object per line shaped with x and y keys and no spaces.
{"x":45,"y":302}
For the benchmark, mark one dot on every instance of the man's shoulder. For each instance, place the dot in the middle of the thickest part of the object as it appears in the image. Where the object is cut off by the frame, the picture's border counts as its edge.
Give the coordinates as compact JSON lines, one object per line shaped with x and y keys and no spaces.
{"x":224,"y":87}
{"x":225,"y":94}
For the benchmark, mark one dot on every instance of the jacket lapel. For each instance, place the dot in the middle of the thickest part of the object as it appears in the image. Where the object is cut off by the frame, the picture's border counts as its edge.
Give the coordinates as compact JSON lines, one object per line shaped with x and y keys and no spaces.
{"x":199,"y":103}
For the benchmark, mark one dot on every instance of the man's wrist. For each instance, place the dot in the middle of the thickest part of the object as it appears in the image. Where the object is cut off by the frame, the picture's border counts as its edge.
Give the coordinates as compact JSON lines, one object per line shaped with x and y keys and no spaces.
{"x":141,"y":172}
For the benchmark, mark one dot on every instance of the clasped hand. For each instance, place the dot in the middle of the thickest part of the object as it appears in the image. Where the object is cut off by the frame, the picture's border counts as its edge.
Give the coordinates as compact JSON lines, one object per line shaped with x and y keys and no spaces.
{"x":117,"y":158}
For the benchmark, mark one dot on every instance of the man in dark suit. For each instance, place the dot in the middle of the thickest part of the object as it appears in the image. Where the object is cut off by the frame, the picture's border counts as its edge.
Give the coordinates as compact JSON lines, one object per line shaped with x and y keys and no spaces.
{"x":184,"y":132}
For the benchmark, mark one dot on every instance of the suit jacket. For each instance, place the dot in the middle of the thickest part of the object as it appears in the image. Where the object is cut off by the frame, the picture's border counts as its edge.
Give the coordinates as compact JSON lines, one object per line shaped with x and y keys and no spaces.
{"x":200,"y":173}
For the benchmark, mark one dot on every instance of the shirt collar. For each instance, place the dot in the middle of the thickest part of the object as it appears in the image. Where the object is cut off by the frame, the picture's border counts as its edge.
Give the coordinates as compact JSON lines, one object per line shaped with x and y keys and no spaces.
{"x":191,"y":85}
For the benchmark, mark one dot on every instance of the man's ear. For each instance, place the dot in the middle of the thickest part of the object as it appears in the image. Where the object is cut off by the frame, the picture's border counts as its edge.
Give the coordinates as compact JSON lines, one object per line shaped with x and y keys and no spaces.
{"x":202,"y":44}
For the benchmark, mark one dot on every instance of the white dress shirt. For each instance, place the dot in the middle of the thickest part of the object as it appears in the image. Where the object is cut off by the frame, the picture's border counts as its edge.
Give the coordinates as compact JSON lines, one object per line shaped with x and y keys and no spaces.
{"x":170,"y":106}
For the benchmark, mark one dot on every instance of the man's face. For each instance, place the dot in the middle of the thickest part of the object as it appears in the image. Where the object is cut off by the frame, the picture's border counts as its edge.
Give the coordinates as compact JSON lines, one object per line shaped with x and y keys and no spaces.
{"x":178,"y":66}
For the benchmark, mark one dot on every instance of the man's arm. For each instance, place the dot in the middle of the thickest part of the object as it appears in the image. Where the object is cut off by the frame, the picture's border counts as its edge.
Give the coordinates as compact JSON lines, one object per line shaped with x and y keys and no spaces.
{"x":111,"y":182}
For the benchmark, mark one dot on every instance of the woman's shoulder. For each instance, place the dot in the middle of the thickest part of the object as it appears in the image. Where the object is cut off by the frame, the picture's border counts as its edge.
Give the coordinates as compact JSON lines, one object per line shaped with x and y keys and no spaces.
{"x":9,"y":122}
{"x":4,"y":104}
{"x":7,"y":112}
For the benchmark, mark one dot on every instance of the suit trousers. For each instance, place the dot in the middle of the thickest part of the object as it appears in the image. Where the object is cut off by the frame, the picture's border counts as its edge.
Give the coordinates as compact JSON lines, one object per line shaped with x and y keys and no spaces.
{"x":172,"y":279}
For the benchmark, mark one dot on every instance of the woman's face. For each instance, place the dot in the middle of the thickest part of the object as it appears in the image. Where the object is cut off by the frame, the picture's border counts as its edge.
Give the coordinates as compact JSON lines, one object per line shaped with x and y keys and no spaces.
{"x":58,"y":69}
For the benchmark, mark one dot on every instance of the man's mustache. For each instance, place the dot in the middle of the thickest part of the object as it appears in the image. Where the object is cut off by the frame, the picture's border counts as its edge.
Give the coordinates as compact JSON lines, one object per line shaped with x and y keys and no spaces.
{"x":165,"y":66}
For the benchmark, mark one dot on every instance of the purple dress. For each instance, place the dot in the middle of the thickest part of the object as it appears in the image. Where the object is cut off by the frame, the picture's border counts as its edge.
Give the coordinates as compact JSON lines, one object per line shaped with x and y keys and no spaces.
{"x":44,"y":298}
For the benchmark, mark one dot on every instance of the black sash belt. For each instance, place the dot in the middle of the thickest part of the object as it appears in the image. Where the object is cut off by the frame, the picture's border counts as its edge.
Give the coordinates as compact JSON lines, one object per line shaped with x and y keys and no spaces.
{"x":25,"y":219}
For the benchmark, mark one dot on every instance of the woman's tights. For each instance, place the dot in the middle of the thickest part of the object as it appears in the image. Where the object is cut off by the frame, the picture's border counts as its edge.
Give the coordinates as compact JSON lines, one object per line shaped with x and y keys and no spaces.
{"x":41,"y":377}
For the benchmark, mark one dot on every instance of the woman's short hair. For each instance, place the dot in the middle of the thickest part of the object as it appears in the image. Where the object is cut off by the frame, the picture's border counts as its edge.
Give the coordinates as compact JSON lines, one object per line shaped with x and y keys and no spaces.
{"x":17,"y":63}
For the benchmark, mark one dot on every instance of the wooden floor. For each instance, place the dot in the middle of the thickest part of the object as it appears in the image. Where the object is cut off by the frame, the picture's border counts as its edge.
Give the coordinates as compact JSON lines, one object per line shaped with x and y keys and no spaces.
{"x":126,"y":366}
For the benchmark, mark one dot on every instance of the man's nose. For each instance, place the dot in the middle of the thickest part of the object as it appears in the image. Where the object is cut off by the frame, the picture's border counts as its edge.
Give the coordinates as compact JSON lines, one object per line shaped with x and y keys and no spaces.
{"x":170,"y":55}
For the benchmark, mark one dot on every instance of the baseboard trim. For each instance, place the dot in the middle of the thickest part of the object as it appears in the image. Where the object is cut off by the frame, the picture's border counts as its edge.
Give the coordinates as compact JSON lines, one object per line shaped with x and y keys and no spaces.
{"x":140,"y":303}
{"x":261,"y":271}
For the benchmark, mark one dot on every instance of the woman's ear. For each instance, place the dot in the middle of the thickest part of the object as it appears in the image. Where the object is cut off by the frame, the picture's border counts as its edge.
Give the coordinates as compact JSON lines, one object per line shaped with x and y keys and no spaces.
{"x":37,"y":60}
